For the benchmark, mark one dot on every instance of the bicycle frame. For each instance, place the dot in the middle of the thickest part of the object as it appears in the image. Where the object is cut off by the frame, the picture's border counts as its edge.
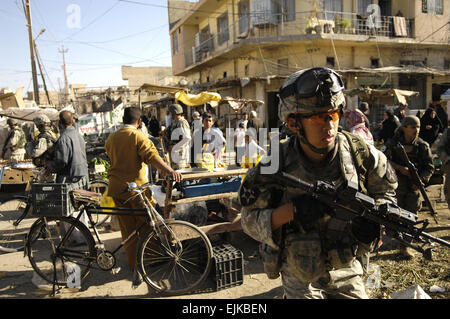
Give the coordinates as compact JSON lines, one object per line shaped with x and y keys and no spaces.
{"x":150,"y":212}
{"x":93,"y":253}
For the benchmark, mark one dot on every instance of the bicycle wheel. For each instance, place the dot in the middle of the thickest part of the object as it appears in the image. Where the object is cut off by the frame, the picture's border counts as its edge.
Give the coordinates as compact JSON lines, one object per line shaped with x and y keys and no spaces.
{"x":99,"y":186}
{"x":176,"y":261}
{"x":11,"y":236}
{"x":47,"y":252}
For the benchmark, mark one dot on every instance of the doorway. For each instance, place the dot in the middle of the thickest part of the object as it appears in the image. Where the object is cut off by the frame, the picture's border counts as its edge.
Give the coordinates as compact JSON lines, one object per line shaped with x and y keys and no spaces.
{"x":272,"y":110}
{"x":385,"y":7}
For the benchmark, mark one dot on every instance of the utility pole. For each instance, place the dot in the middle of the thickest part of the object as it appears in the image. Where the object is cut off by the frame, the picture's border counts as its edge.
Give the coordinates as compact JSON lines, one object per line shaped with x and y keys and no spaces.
{"x":40,"y":66}
{"x":33,"y":62}
{"x":66,"y":88}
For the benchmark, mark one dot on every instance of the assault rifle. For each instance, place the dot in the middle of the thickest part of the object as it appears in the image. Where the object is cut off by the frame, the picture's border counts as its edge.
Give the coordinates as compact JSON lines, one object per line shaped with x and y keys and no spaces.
{"x":398,"y":222}
{"x":415,"y":178}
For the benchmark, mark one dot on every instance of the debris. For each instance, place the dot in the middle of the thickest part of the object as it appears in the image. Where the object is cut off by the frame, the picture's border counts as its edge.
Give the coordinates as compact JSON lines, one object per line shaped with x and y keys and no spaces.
{"x":374,"y":276}
{"x":435,"y":288}
{"x":413,"y":292}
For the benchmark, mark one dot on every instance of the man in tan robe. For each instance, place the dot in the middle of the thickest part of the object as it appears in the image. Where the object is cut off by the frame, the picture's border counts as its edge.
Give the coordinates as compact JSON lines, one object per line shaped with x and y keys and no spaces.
{"x":130,"y":151}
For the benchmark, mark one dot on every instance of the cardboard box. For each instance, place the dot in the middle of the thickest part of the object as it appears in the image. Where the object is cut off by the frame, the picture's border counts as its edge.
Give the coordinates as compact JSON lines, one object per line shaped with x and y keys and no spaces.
{"x":17,"y":176}
{"x":12,"y":176}
{"x":27,"y":175}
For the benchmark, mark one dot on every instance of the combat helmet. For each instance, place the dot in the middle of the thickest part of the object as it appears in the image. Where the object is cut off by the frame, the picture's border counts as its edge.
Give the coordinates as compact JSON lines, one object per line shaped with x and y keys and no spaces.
{"x":41,"y":120}
{"x":310,"y":91}
{"x":176,"y":109}
{"x":11,"y":121}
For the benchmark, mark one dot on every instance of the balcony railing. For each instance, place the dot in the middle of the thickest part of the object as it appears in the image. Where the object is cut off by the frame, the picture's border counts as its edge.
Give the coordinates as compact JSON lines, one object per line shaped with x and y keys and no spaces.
{"x":266,"y":26}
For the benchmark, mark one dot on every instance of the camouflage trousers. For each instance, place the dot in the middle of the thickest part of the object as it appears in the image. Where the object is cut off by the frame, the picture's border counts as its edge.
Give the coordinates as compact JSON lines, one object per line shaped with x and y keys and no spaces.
{"x":344,"y":283}
{"x":409,"y":199}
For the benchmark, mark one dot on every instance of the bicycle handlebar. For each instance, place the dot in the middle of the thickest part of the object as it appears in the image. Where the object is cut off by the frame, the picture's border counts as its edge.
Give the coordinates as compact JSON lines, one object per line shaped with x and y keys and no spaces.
{"x":134,"y":187}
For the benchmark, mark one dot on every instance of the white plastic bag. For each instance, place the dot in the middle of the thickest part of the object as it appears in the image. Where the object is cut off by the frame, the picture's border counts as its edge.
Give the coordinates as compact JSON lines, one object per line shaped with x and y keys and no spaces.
{"x":413,"y":292}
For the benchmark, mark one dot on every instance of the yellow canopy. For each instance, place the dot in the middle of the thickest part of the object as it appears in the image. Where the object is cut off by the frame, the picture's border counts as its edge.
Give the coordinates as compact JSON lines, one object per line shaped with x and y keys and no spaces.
{"x":197,"y":99}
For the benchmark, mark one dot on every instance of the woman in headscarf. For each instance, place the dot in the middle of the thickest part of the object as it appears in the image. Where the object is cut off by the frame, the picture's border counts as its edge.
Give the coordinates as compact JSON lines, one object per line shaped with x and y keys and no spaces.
{"x":388,"y":126}
{"x":356,"y":125}
{"x":429,"y":126}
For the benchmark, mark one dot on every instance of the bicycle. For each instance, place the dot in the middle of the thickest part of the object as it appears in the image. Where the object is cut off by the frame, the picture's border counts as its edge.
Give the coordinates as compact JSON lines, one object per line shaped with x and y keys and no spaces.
{"x":173,"y":256}
{"x":15,"y":219}
{"x":16,"y":216}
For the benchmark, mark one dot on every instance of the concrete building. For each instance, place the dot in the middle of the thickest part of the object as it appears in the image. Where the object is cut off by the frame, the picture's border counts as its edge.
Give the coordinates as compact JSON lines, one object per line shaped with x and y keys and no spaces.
{"x":137,"y":76}
{"x":246,"y":48}
{"x":53,"y":95}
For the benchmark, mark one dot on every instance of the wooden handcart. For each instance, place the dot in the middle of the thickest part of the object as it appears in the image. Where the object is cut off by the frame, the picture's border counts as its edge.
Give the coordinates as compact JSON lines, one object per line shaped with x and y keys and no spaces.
{"x":233,"y":222}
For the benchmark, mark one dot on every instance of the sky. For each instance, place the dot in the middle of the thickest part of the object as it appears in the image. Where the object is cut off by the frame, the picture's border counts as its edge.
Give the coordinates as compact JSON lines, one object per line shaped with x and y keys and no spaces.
{"x":99,"y":36}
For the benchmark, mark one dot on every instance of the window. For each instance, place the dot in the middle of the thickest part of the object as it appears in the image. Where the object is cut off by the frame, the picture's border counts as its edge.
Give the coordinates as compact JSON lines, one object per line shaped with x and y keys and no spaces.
{"x":432,"y":6}
{"x":374,"y":63}
{"x":225,"y":74}
{"x":288,"y":10}
{"x":174,"y":43}
{"x":446,"y":64}
{"x":332,"y":5}
{"x":246,"y":69}
{"x":222,"y":28}
{"x":362,"y":6}
{"x":330,"y":61}
{"x":244,"y":16}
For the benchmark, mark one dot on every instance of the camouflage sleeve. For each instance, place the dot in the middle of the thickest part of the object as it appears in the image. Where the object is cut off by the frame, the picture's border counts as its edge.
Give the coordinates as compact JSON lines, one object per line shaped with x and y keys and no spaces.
{"x":257,"y":223}
{"x":13,"y":140}
{"x":256,"y":213}
{"x":382,"y":180}
{"x":39,"y":148}
{"x":426,"y":168}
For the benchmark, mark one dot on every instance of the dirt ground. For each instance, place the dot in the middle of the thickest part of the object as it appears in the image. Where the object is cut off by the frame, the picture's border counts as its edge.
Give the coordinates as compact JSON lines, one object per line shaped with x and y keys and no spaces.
{"x":17,"y":279}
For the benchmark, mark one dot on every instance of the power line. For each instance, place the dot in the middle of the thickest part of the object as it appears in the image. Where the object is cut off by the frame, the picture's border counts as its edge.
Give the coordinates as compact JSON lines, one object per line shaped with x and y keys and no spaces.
{"x":111,"y":40}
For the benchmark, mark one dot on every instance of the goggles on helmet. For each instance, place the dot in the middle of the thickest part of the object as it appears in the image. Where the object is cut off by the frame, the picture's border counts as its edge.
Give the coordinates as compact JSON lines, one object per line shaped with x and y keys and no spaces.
{"x":313,"y":90}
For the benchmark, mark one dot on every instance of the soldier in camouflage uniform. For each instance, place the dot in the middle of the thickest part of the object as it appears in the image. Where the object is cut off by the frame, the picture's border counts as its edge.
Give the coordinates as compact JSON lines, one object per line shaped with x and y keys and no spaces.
{"x":419,"y":153}
{"x":178,"y":138}
{"x":315,"y":247}
{"x":14,"y":147}
{"x":41,"y":149}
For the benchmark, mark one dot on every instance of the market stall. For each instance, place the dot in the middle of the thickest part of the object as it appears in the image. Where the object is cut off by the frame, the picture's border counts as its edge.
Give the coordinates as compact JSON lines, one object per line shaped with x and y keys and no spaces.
{"x":220,"y":186}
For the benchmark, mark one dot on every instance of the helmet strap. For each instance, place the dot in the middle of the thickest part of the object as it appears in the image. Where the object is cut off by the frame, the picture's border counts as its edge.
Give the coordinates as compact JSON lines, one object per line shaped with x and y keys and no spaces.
{"x":321,"y":151}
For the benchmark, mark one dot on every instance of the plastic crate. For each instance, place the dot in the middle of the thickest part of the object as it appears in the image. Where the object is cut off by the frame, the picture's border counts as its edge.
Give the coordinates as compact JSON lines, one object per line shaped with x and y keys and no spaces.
{"x":228,"y":266}
{"x":51,"y":199}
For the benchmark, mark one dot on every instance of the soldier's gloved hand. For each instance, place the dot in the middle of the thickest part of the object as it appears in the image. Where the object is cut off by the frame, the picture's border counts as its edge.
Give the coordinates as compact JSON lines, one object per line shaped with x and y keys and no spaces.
{"x":365,"y":230}
{"x":307,"y":211}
